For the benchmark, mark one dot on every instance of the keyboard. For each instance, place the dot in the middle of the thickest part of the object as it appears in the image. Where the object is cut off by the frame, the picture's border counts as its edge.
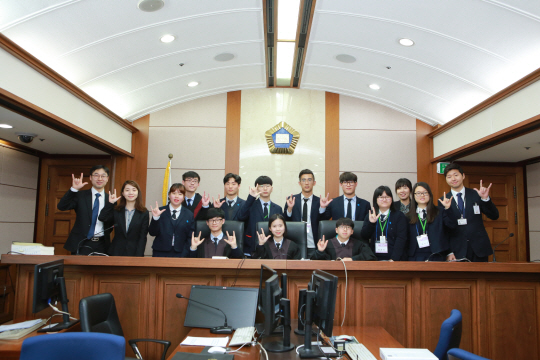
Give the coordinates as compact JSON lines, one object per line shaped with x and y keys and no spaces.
{"x":359,"y":352}
{"x":242,"y":336}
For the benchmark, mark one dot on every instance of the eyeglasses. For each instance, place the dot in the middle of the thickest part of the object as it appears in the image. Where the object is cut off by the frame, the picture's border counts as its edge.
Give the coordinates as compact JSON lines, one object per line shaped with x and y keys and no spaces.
{"x":384,"y":198}
{"x":306,"y":180}
{"x":99,"y":176}
{"x":344,"y":227}
{"x":215,"y":221}
{"x":348,"y":183}
{"x":421,"y":193}
{"x":265,"y":186}
{"x":191,"y":180}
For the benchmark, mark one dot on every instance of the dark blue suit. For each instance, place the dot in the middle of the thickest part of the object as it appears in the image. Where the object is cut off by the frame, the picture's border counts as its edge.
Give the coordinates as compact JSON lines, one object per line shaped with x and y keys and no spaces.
{"x":474,"y":231}
{"x":396,"y":236}
{"x":252,"y":212}
{"x":164,"y":229}
{"x":336,"y":209}
{"x":235,"y":210}
{"x":297,"y":213}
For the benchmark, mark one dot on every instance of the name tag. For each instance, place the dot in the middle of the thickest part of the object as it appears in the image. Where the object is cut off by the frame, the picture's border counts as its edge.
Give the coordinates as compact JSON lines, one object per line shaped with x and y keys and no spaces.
{"x":308,"y":228}
{"x":423,"y":241}
{"x":382,"y":239}
{"x":462,"y":221}
{"x":476,"y":209}
{"x":381,"y":248}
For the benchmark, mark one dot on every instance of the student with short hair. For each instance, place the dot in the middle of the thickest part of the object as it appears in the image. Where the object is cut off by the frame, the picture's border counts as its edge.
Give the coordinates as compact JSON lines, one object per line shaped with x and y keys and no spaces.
{"x":386,"y":227}
{"x":343,"y":245}
{"x":276,"y":245}
{"x":403,"y":191}
{"x":231,"y":203}
{"x":193,"y":201}
{"x":255,"y":210}
{"x":172,"y":226}
{"x":469,"y":239}
{"x":348,"y":205}
{"x":219,"y":243}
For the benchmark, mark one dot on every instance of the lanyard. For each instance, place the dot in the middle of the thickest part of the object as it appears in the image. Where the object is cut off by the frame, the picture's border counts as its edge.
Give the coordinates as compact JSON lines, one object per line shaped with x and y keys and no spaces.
{"x":424,"y":224}
{"x":382,"y":227}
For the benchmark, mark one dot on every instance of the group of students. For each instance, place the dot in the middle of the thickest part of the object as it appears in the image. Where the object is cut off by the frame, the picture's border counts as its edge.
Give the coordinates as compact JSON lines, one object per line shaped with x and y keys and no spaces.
{"x":417,"y":227}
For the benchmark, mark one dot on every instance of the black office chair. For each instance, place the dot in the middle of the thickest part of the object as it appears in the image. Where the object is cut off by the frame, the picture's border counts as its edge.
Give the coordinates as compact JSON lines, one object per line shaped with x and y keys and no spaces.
{"x":328,"y":229}
{"x":296,"y":231}
{"x":98,"y":314}
{"x":230,"y":226}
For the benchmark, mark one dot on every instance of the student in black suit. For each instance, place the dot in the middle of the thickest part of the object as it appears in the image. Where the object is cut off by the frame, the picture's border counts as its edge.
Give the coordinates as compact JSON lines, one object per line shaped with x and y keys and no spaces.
{"x":87,"y":205}
{"x":219,"y":244}
{"x":132,"y":219}
{"x":343,"y":245}
{"x":196,"y":203}
{"x":255,"y":210}
{"x":279,"y":247}
{"x":349,"y":205}
{"x":386,"y":227}
{"x":306,"y":207}
{"x":429,"y":225}
{"x":231,"y":203}
{"x":470,"y":239}
{"x":172,"y":226}
{"x":403,"y":191}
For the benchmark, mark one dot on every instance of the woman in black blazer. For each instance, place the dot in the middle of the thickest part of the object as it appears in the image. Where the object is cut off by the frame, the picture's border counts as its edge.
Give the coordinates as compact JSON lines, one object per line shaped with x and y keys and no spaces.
{"x":386,"y":221}
{"x":131,"y":219}
{"x":429,"y":225}
{"x":403,"y":191}
{"x":278,"y":247}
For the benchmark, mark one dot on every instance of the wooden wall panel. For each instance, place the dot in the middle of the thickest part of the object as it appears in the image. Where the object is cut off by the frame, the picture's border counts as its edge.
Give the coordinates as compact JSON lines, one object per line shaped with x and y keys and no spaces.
{"x":332,"y":145}
{"x":232,"y":141}
{"x":424,"y":152}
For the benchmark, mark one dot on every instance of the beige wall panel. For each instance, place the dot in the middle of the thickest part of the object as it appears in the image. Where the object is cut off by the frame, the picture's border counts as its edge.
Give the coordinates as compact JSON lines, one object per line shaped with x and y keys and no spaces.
{"x":207,"y":111}
{"x":192,"y":147}
{"x":18,"y":168}
{"x":9,"y":232}
{"x":533,"y":180}
{"x":357,"y":113}
{"x":377,"y":151}
{"x":262,"y":109}
{"x":534,"y":214}
{"x":368,"y":182}
{"x":461,"y":134}
{"x":534,"y":245}
{"x":18,"y":204}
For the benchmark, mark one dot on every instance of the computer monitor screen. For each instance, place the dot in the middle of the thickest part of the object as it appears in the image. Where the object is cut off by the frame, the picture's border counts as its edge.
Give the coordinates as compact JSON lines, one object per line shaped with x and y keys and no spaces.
{"x":266,"y":273}
{"x":325,"y":286}
{"x":239,"y":304}
{"x":46,"y":284}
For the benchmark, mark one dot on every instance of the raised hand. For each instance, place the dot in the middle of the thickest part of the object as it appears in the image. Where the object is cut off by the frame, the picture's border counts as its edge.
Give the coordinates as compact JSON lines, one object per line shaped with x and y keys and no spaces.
{"x":78,"y":183}
{"x":290,"y":203}
{"x":253,"y":191}
{"x":205,"y":199}
{"x":373,"y":217}
{"x":321,"y":244}
{"x":446,"y":202}
{"x":196,"y":241}
{"x":325,"y":202}
{"x":483,"y":192}
{"x":451,"y":257}
{"x":231,"y":240}
{"x":113,"y":198}
{"x":217,"y":203}
{"x":155,"y":211}
{"x":263,"y":238}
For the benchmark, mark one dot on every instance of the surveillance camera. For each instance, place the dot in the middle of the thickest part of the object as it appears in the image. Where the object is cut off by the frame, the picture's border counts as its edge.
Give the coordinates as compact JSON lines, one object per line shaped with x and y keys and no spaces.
{"x":26,"y":138}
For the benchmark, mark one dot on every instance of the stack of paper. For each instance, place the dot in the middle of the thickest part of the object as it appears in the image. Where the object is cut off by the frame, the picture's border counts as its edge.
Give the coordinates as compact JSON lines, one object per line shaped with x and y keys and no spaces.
{"x":31,"y":249}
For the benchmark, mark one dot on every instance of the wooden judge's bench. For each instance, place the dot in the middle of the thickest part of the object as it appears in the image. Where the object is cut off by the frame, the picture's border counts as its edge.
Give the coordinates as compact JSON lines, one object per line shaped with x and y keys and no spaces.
{"x":500,"y":302}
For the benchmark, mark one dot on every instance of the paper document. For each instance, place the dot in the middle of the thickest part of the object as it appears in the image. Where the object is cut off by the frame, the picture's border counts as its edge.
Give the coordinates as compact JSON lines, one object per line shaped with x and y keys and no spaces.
{"x":21,"y":325}
{"x":206,"y":341}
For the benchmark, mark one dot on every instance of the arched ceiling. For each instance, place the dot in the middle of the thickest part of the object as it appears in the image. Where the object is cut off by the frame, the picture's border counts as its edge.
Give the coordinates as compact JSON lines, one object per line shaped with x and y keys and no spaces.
{"x":464,"y":51}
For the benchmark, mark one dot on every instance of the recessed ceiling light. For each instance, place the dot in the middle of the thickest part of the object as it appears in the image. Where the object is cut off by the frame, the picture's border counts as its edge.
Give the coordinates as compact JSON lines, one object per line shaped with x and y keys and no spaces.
{"x":6,"y":126}
{"x":167,"y":38}
{"x":224,"y":57}
{"x":150,"y":5}
{"x":344,"y":58}
{"x":193,"y":84}
{"x":374,"y":87}
{"x":406,"y":42}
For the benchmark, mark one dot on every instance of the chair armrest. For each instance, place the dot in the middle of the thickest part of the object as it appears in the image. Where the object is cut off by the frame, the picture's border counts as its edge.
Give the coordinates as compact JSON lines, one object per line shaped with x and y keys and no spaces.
{"x":133,"y":343}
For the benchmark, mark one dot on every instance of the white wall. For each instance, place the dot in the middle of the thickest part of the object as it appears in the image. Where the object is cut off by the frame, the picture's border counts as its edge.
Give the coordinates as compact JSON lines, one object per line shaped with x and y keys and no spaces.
{"x":18,"y":191}
{"x":533,"y":199}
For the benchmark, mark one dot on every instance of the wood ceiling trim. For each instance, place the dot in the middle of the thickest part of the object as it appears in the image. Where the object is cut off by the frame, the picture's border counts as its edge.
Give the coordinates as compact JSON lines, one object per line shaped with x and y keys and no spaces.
{"x":33,"y":62}
{"x":267,"y":35}
{"x":298,"y":30}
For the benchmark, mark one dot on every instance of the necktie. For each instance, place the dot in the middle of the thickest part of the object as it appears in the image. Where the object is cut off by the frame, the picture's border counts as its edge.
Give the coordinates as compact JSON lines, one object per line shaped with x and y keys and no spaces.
{"x":305,"y":211}
{"x":216,"y":242}
{"x":174,"y":214}
{"x":382,"y":217}
{"x":278,"y":245}
{"x":349,"y":209}
{"x":265,"y":211}
{"x":188,"y":202}
{"x":424,"y":214}
{"x":460,"y":203}
{"x":95,"y":213}
{"x":342,"y":245}
{"x":230,"y":203}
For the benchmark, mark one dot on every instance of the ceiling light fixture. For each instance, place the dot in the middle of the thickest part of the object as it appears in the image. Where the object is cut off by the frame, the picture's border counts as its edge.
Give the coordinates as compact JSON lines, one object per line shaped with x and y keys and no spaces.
{"x":224,"y":57}
{"x":406,"y":42}
{"x":167,"y":38}
{"x":345,"y":58}
{"x":374,"y":87}
{"x":193,"y":84}
{"x":150,"y":5}
{"x":6,"y":126}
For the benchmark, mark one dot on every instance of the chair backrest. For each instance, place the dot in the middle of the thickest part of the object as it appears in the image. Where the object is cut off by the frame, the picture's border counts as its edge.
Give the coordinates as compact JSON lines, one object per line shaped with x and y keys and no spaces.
{"x":450,"y":336}
{"x":460,"y":354}
{"x":74,"y":345}
{"x":328,"y":229}
{"x":230,"y":226}
{"x":296,"y":231}
{"x":98,"y":314}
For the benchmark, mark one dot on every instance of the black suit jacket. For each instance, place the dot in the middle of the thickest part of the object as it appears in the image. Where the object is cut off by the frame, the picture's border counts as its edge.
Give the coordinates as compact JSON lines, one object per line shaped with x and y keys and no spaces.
{"x":235,"y":210}
{"x":297,"y":213}
{"x":361,"y":251}
{"x":228,"y":252}
{"x":201,"y":214}
{"x":81,"y":202}
{"x":165,"y":227}
{"x":396,"y":236}
{"x":131,"y":242}
{"x":252,"y":212}
{"x":264,"y":252}
{"x":437,"y":231}
{"x":474,"y":231}
{"x":336,"y":209}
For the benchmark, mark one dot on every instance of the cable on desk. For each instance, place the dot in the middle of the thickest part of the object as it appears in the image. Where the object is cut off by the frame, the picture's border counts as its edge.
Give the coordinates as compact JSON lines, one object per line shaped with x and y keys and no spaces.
{"x":346,"y":283}
{"x":238,"y":267}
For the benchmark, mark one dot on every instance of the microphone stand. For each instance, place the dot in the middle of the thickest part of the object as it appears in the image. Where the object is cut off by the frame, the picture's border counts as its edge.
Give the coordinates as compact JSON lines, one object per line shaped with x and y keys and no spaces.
{"x":225,"y":329}
{"x":496,"y":246}
{"x":86,"y":239}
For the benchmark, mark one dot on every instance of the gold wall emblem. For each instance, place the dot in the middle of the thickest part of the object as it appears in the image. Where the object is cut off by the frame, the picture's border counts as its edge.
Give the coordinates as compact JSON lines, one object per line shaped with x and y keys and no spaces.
{"x":282,"y":138}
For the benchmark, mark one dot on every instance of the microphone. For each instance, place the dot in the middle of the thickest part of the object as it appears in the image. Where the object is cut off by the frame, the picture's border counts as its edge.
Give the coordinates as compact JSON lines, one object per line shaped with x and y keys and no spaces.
{"x":215,"y":330}
{"x":496,"y":246}
{"x":99,"y":234}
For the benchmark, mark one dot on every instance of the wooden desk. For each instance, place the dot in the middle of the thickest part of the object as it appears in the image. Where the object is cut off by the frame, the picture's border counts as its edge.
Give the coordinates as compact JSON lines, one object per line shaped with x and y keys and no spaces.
{"x":410,"y":300}
{"x":373,"y":338}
